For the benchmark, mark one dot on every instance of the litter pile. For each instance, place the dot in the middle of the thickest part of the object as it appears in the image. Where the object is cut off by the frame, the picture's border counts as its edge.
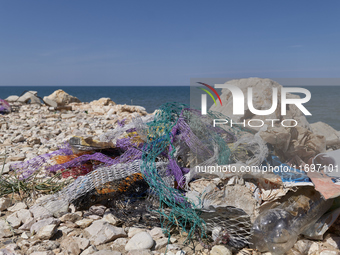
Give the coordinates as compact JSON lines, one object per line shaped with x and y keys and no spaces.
{"x":166,"y":164}
{"x":262,"y":189}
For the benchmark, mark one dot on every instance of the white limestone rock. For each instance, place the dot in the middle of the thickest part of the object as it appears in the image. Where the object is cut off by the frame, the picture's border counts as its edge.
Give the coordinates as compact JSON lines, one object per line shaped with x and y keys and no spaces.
{"x":5,"y":170}
{"x":24,"y":215}
{"x":70,"y":246}
{"x":84,"y":223}
{"x":139,"y":241}
{"x":314,"y":249}
{"x":220,"y":250}
{"x":46,"y":232}
{"x":102,"y":232}
{"x":332,"y":136}
{"x":40,"y":212}
{"x":12,"y":98}
{"x":89,"y":250}
{"x":334,"y":241}
{"x":119,"y":242}
{"x":5,"y":203}
{"x":50,"y":102}
{"x":104,"y":101}
{"x":29,"y":97}
{"x":133,"y":231}
{"x":18,"y":139}
{"x":17,"y":207}
{"x":111,"y":218}
{"x":35,"y":228}
{"x":83,"y":243}
{"x":13,"y":220}
{"x":70,"y":217}
{"x":303,"y":245}
{"x":156,"y":233}
{"x":160,"y":243}
{"x":27,"y":224}
{"x":62,"y":98}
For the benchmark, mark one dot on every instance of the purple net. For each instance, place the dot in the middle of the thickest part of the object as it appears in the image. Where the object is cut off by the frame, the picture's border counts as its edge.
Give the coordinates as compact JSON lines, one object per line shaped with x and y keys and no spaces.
{"x":173,"y":168}
{"x":128,"y":142}
{"x":132,"y":151}
{"x":27,"y":168}
{"x":129,"y":155}
{"x":121,"y":123}
{"x":81,"y":160}
{"x":4,"y":107}
{"x":183,"y":141}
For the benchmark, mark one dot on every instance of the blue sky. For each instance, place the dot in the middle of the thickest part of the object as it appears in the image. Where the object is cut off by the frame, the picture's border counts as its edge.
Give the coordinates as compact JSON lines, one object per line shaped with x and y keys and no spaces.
{"x":109,"y":42}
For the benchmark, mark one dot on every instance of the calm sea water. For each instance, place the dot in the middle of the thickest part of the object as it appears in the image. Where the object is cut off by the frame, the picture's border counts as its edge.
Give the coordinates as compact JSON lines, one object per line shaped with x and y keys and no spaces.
{"x":150,"y":97}
{"x":324,"y":104}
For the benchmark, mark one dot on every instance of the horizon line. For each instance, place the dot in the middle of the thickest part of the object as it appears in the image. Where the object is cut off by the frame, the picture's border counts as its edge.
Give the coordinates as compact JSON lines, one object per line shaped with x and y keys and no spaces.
{"x":39,"y":85}
{"x":186,"y":85}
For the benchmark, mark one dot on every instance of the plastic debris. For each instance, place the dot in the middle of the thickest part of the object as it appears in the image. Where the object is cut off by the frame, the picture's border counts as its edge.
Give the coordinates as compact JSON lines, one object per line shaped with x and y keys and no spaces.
{"x":276,"y":230}
{"x":324,"y":185}
{"x":329,"y":163}
{"x":289,"y":175}
{"x":88,"y":144}
{"x":318,"y":230}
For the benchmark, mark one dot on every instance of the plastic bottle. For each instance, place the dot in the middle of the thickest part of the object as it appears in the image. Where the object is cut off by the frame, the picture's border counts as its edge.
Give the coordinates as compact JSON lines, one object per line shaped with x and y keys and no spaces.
{"x":277,"y":229}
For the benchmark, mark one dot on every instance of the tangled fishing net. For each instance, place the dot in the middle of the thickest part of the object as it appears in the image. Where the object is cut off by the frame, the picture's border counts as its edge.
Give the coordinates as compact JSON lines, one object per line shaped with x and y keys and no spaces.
{"x":153,"y":160}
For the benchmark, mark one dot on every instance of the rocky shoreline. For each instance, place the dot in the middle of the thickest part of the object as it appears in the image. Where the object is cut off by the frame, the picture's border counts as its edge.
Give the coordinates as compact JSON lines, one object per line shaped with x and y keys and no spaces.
{"x":34,"y":128}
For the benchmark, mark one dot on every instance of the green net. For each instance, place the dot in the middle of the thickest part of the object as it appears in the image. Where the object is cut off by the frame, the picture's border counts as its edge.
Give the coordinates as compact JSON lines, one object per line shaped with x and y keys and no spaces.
{"x":185,"y":137}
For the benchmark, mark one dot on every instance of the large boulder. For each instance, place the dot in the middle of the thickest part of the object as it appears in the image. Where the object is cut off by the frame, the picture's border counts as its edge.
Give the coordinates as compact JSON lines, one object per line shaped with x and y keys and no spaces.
{"x":62,"y":98}
{"x":296,"y":141}
{"x":29,"y":97}
{"x":262,"y":100}
{"x":332,"y":136}
{"x":50,"y":102}
{"x":12,"y":98}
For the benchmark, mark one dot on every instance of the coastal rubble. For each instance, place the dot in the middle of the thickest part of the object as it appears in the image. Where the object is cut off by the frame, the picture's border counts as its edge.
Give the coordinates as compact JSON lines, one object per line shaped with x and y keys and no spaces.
{"x":102,"y":202}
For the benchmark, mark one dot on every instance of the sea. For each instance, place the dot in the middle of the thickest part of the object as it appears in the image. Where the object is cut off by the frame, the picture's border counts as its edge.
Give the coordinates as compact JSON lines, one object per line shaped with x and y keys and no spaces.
{"x":324,"y":104}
